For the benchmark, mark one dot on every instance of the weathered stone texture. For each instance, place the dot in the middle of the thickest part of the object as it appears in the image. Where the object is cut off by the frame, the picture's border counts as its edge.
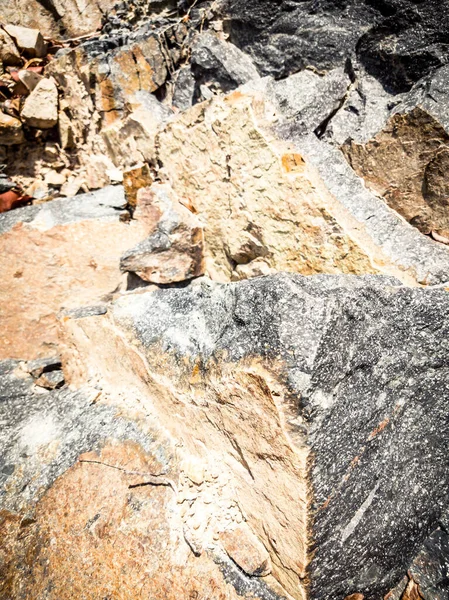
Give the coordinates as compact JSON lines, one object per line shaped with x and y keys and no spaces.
{"x":407,"y":164}
{"x":365,"y":374}
{"x":255,"y":199}
{"x":63,"y":254}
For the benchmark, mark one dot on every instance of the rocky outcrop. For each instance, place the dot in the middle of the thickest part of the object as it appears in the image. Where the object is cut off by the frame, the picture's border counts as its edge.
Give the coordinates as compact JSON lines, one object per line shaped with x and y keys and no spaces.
{"x":226,"y":376}
{"x":203,"y":363}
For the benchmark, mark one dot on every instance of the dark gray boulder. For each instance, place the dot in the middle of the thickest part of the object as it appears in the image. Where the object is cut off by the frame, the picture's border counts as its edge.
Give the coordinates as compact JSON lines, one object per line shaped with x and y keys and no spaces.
{"x":397,"y":41}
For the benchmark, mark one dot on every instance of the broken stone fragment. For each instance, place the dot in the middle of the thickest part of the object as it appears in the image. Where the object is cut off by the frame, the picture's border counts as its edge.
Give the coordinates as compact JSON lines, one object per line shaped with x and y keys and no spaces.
{"x":30,"y":41}
{"x":11,"y":131}
{"x":41,"y":107}
{"x":66,"y":135}
{"x":97,"y":171}
{"x":9,"y":55}
{"x":246,"y":248}
{"x":222,"y":63}
{"x":54,"y":178}
{"x":51,"y":381}
{"x":256,"y":268}
{"x":407,"y":164}
{"x":184,"y":89}
{"x":247,"y":551}
{"x":30,"y":79}
{"x":173,"y":251}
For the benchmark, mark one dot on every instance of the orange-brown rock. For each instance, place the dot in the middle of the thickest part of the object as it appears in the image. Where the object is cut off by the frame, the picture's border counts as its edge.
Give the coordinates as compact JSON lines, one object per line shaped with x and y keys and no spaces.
{"x":246,"y":551}
{"x":407,"y":165}
{"x":104,"y":531}
{"x":412,"y":592}
{"x":55,"y":257}
{"x":135,"y":179}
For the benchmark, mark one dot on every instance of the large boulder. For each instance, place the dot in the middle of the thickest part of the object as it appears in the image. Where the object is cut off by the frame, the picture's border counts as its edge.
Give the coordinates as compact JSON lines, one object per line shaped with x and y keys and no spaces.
{"x":320,"y":398}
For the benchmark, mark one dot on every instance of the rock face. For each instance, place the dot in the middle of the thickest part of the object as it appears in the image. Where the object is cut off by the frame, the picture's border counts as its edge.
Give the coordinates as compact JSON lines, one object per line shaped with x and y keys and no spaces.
{"x":58,"y":19}
{"x":252,"y":197}
{"x":397,"y":41}
{"x":60,"y":255}
{"x":225,"y":377}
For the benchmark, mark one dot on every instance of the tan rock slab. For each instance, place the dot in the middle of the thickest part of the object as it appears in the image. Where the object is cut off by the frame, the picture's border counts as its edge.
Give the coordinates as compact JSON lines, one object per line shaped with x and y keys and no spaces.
{"x":30,"y":41}
{"x":254,"y":195}
{"x":41,"y":107}
{"x":246,"y":551}
{"x":55,"y":261}
{"x":9,"y":55}
{"x":11,"y":131}
{"x":407,"y":164}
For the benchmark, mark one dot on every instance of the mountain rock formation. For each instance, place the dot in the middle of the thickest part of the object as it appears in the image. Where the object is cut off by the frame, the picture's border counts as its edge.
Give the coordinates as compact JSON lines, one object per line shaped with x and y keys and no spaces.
{"x":224,"y":231}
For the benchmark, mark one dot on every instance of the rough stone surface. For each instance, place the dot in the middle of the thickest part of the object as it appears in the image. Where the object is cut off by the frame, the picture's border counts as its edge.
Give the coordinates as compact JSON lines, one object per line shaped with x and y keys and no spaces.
{"x":252,"y":195}
{"x":9,"y":53}
{"x":246,"y":551}
{"x":57,"y":18}
{"x":363,"y":362}
{"x":62,"y":254}
{"x":41,"y":107}
{"x":165,"y":435}
{"x":307,"y":100}
{"x":30,"y":41}
{"x":173,"y":250}
{"x":397,"y":41}
{"x":407,"y":164}
{"x":11,"y":131}
{"x":221,"y":63}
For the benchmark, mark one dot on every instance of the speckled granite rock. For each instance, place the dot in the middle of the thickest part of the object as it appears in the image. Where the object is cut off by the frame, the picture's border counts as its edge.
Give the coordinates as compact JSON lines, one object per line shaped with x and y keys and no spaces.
{"x":357,"y":376}
{"x":397,"y":41}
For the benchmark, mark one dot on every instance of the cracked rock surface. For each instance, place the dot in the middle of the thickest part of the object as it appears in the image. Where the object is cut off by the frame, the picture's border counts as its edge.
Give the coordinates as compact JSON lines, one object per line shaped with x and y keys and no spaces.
{"x":224,"y":310}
